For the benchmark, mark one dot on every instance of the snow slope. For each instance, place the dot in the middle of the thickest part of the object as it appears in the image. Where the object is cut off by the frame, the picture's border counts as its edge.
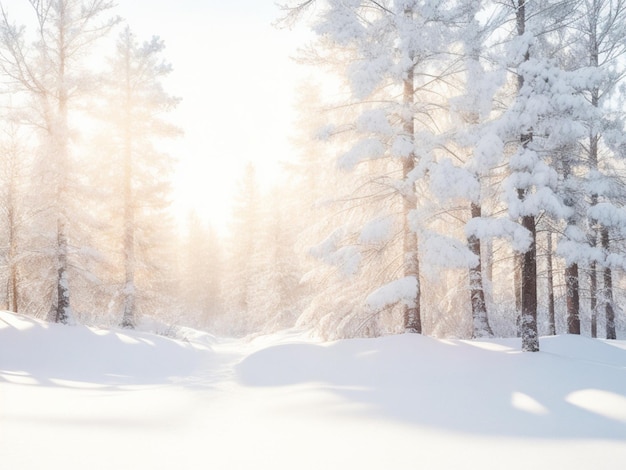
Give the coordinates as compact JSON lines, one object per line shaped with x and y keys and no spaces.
{"x":78,"y":397}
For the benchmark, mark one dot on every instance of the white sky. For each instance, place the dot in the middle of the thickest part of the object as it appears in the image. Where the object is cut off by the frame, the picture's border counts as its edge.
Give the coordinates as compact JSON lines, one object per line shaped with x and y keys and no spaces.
{"x":233,"y":71}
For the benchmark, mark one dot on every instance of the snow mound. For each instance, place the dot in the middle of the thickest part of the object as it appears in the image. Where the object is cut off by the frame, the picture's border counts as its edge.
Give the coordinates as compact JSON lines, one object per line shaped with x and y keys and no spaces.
{"x":33,"y":351}
{"x":485,"y":387}
{"x":157,"y":403}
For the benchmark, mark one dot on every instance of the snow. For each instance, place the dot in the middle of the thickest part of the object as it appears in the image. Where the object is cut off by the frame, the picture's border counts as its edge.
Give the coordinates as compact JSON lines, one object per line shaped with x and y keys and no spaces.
{"x":346,"y":258}
{"x":449,"y":182}
{"x":401,"y":290}
{"x":374,"y":121}
{"x":363,"y":150}
{"x":78,"y":397}
{"x":377,"y":230}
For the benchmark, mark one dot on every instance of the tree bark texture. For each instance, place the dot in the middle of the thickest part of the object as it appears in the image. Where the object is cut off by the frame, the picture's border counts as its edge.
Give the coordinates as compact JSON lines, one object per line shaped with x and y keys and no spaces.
{"x":608,"y":291}
{"x":481,"y":328}
{"x":528,"y":324}
{"x":550,"y":274}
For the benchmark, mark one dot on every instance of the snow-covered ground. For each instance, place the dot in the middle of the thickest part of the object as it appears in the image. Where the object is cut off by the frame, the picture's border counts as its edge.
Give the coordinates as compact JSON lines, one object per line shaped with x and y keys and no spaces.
{"x":84,"y":398}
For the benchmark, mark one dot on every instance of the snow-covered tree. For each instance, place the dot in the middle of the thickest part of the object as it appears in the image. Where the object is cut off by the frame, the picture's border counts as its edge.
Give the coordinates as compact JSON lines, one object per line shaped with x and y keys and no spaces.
{"x":45,"y":66}
{"x":472,"y":149}
{"x":136,"y":107}
{"x":546,"y":116}
{"x":392,"y":55}
{"x":600,"y":45}
{"x":14,"y":164}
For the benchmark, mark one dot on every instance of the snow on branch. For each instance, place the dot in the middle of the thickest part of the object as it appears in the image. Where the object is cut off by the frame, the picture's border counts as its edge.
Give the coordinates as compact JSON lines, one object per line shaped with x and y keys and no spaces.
{"x":346,"y":258}
{"x":446,"y":252}
{"x":608,"y":215}
{"x":450,"y":182}
{"x":401,"y":290}
{"x":374,"y":121}
{"x":485,"y":228}
{"x":368,"y":149}
{"x":377,"y":230}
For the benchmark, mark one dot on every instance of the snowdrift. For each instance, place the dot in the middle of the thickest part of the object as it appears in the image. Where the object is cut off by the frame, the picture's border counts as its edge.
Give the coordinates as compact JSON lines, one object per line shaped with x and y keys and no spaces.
{"x":574,"y":388}
{"x":38,"y":352}
{"x":117,"y":399}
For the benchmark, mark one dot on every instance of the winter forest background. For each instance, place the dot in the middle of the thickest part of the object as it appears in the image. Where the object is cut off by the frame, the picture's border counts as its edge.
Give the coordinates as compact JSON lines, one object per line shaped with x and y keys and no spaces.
{"x":460,"y":173}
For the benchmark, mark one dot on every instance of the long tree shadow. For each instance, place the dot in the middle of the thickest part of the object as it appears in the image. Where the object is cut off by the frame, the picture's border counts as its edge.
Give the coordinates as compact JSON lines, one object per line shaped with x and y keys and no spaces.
{"x":475,"y":387}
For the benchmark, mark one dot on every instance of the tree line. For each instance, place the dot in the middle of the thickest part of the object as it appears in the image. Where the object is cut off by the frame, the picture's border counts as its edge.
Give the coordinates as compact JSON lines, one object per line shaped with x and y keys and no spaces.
{"x":85,"y":184}
{"x":88,"y":234}
{"x":459,"y":172}
{"x":477,"y":181}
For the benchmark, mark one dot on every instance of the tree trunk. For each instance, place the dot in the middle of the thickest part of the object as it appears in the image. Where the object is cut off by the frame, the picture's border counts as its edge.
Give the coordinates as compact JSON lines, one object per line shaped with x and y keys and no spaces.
{"x":530,"y":335}
{"x":412,"y":311}
{"x":593,"y":266}
{"x":608,"y":291}
{"x":594,"y":54}
{"x":551,"y":320}
{"x":60,"y":139}
{"x":572,"y":279}
{"x":63,"y":309}
{"x":128,"y":318}
{"x":573,"y":299}
{"x":481,"y":328}
{"x":517,"y":287}
{"x":593,"y":297}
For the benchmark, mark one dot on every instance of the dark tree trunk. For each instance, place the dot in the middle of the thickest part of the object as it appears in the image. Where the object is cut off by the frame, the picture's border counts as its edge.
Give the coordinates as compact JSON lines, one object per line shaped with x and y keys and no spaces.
{"x":530,"y":335}
{"x":593,"y":297}
{"x":63,"y":309}
{"x":572,"y":277}
{"x":517,"y":287}
{"x":480,"y":318}
{"x":593,"y":266}
{"x":573,"y":299}
{"x":608,"y":291}
{"x":551,"y":319}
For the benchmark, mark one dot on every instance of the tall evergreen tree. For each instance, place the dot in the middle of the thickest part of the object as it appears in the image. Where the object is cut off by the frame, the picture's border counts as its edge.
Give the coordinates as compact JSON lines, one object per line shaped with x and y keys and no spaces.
{"x":50,"y":73}
{"x":600,"y":34}
{"x":136,"y":107}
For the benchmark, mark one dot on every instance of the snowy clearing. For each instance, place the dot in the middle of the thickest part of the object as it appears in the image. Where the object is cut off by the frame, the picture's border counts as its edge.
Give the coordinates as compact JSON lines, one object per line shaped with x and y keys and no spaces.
{"x":85,"y":398}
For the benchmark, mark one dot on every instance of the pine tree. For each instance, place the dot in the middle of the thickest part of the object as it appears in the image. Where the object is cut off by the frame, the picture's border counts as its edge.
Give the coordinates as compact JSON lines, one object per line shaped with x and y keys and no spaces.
{"x":600,"y":33}
{"x":50,"y":73}
{"x":136,"y":105}
{"x":14,"y":164}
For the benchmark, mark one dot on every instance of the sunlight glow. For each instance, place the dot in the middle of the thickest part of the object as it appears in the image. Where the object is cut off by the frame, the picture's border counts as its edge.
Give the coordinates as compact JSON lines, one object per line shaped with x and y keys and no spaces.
{"x":601,"y":402}
{"x":526,"y":403}
{"x":233,"y":71}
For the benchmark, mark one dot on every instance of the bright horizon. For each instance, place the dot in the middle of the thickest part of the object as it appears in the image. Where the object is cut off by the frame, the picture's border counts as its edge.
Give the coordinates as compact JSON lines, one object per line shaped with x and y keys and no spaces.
{"x":233,"y":71}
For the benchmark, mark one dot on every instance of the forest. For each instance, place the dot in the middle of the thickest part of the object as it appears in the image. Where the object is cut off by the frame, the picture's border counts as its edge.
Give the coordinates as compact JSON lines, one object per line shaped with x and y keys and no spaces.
{"x":459,"y":173}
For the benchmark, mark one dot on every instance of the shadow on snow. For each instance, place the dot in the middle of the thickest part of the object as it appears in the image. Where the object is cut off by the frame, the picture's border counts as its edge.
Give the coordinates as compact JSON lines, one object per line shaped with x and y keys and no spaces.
{"x":481,"y":387}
